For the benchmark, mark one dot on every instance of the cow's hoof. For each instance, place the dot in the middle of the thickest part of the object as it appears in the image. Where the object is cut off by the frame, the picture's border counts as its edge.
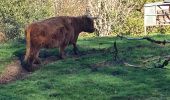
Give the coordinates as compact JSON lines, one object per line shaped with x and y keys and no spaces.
{"x":27,"y":66}
{"x":29,"y":69}
{"x":62,"y":57}
{"x":37,"y":61}
{"x":78,"y":54}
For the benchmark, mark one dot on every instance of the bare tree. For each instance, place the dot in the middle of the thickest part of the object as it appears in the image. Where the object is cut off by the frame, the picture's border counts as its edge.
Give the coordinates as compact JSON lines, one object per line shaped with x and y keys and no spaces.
{"x":70,"y":7}
{"x":112,"y":14}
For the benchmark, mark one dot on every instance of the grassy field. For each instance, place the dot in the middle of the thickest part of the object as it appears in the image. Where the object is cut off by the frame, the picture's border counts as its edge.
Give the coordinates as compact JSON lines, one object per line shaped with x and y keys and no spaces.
{"x":93,"y":75}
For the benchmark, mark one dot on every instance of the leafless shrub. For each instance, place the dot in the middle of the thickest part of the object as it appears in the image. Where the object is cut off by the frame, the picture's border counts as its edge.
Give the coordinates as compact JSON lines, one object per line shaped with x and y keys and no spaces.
{"x":70,"y":7}
{"x":112,"y":14}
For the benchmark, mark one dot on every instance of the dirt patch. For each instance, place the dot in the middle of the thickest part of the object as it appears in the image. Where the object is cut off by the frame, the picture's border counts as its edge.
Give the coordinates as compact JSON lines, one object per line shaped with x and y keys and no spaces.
{"x":15,"y":71}
{"x":12,"y":72}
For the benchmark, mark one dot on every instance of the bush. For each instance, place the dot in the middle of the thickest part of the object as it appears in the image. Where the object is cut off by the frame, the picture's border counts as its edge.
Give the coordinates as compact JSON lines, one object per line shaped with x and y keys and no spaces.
{"x":15,"y":14}
{"x":134,"y":23}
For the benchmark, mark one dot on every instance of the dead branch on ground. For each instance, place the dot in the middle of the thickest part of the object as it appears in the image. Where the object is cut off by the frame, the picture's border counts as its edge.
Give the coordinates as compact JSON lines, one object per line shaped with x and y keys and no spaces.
{"x":145,"y":38}
{"x":131,"y":65}
{"x":165,"y":63}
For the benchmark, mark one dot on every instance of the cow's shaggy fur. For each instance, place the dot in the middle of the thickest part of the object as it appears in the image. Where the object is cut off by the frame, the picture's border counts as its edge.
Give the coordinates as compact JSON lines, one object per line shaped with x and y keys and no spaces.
{"x":54,"y":32}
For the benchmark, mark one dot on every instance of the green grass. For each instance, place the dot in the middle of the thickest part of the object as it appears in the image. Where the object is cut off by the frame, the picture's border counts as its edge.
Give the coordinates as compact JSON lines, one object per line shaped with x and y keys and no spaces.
{"x":7,"y":51}
{"x":93,"y":75}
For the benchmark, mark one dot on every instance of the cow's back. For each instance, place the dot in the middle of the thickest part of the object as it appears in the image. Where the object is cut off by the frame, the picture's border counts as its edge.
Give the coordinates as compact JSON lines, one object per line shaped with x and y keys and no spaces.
{"x":52,"y":32}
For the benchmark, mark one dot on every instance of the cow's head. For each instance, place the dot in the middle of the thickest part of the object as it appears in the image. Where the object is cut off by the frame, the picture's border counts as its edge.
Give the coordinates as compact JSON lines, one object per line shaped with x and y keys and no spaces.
{"x":88,"y":23}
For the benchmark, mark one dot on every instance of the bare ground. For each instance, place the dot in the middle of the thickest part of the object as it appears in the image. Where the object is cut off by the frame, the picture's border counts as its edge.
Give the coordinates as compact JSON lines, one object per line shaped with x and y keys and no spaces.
{"x":12,"y":72}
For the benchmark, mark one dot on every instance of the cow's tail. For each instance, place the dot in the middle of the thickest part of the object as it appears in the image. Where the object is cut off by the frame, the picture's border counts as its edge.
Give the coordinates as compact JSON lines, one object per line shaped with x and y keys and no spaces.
{"x":25,"y":62}
{"x":28,"y":43}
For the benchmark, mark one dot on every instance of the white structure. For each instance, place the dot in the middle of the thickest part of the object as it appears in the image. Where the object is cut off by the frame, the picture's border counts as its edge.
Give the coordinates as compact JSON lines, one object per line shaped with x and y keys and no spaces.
{"x":157,"y":13}
{"x":166,"y":0}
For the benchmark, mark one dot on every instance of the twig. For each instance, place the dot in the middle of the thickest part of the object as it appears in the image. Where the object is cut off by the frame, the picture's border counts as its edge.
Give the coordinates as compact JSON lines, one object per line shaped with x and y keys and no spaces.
{"x":115,"y":53}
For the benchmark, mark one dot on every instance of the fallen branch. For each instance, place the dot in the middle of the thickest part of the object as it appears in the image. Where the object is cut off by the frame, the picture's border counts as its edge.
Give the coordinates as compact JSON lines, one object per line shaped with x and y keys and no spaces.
{"x":151,"y":59}
{"x":130,"y":65}
{"x":156,"y":41}
{"x":165,"y":63}
{"x":159,"y":63}
{"x":145,"y":38}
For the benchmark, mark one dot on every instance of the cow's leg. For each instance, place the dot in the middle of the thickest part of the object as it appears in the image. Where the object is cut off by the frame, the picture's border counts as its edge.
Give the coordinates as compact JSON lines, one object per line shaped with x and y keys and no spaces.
{"x":75,"y":49}
{"x":37,"y":60}
{"x":61,"y":51}
{"x":31,"y":59}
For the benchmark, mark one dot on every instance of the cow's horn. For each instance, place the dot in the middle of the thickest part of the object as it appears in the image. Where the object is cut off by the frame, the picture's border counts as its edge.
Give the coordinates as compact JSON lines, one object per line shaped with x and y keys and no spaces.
{"x":94,"y":17}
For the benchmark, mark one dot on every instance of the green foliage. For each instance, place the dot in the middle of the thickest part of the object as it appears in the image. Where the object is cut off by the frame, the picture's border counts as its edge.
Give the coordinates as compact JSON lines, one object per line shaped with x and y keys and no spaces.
{"x":15,"y":14}
{"x":134,"y":23}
